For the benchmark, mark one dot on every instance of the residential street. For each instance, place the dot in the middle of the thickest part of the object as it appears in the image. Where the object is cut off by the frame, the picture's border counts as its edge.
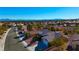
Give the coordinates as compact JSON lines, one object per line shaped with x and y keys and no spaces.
{"x":11,"y":43}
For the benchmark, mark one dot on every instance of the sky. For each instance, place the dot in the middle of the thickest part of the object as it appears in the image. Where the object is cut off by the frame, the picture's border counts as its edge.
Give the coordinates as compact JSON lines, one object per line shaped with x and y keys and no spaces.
{"x":39,"y":13}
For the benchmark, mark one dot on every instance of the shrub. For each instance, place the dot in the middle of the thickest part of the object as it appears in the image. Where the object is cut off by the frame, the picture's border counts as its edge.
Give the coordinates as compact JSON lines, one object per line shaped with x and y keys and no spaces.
{"x":77,"y":31}
{"x":2,"y":30}
{"x":58,"y":42}
{"x":66,"y":32}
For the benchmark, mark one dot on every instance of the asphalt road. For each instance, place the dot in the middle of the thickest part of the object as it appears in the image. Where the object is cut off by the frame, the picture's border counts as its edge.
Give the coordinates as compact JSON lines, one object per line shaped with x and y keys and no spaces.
{"x":11,"y":43}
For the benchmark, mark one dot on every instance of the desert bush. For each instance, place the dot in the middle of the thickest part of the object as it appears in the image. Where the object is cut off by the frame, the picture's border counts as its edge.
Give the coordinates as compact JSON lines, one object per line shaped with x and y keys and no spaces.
{"x":58,"y":42}
{"x":77,"y":31}
{"x":2,"y":30}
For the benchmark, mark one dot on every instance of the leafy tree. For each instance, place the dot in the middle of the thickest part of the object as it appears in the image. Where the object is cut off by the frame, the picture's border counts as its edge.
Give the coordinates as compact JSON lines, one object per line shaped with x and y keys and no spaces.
{"x":51,"y":28}
{"x":19,"y":27}
{"x":29,"y":27}
{"x":27,"y":34}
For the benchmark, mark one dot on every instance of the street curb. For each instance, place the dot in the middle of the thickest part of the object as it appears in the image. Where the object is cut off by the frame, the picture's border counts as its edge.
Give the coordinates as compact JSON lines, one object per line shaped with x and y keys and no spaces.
{"x":2,"y":42}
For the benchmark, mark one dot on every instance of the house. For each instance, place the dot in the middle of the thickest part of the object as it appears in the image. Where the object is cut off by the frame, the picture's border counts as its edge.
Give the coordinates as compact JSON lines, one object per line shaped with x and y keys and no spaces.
{"x":74,"y":41}
{"x":50,"y":35}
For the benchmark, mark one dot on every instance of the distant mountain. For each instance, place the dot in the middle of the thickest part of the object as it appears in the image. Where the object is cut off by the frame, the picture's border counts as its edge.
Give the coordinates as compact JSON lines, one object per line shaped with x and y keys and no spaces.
{"x":7,"y":20}
{"x":24,"y":20}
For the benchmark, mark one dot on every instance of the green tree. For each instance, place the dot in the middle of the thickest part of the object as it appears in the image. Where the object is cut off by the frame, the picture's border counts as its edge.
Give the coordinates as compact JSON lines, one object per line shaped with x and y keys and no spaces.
{"x":19,"y":27}
{"x":29,"y":27}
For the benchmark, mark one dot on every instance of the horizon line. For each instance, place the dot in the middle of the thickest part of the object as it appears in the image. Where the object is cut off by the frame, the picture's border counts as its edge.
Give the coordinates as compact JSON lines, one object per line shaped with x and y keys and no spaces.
{"x":38,"y":19}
